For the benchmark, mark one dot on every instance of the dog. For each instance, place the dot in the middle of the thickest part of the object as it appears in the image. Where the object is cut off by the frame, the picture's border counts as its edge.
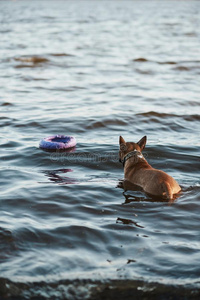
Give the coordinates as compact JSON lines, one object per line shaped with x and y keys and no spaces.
{"x":138,"y":172}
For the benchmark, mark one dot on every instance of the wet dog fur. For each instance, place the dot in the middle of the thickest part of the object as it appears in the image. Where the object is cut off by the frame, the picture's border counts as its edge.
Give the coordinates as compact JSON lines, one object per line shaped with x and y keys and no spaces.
{"x":138,"y":172}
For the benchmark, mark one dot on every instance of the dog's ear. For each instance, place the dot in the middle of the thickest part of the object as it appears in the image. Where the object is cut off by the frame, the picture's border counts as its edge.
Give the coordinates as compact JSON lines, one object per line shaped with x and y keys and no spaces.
{"x":142,"y":142}
{"x":121,"y":140}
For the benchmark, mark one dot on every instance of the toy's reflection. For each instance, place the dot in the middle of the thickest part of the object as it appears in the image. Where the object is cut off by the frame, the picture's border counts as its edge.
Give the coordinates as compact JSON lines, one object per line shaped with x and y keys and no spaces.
{"x":59,"y":151}
{"x":59,"y":176}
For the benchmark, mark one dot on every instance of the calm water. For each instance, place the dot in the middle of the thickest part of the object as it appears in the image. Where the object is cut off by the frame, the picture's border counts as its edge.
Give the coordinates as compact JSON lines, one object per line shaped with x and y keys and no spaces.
{"x":97,"y":70}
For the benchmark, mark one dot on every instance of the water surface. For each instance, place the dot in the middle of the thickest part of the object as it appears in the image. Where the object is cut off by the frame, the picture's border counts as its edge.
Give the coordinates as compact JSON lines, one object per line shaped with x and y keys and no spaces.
{"x":96,"y":70}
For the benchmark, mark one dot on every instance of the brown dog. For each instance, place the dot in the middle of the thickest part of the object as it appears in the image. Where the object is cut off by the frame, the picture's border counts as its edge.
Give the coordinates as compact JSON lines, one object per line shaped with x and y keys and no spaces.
{"x":140,"y":173}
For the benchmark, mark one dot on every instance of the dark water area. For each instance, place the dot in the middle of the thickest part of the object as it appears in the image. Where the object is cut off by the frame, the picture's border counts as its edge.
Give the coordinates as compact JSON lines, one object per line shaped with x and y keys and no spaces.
{"x":96,"y":70}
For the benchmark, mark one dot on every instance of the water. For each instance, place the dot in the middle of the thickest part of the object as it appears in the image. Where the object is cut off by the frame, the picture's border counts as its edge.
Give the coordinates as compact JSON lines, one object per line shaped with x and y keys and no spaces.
{"x":97,"y":70}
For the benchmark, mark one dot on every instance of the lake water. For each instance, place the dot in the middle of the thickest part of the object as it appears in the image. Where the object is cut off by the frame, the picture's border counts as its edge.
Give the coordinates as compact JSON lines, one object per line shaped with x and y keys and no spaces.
{"x":96,"y":70}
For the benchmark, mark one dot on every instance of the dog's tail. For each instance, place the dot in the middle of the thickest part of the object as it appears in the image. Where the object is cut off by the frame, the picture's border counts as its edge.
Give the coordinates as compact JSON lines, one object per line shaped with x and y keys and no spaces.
{"x":167,"y":191}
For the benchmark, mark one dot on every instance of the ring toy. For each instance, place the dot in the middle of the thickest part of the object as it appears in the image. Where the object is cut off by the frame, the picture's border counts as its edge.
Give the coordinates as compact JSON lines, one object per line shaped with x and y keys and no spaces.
{"x":58,"y":142}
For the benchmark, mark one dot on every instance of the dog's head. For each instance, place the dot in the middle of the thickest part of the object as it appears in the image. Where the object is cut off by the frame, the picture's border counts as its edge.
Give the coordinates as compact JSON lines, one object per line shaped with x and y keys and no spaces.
{"x":125,"y":148}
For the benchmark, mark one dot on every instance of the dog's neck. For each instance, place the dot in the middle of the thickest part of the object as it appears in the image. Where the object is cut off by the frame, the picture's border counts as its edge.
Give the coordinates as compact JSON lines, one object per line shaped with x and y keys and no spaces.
{"x":135,"y":156}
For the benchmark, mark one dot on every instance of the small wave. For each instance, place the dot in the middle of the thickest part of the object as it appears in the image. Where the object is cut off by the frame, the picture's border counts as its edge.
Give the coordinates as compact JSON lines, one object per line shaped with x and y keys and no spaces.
{"x":61,"y":54}
{"x":182,"y":68}
{"x":30,"y":78}
{"x":5,"y":234}
{"x":30,"y":61}
{"x":192,"y":34}
{"x":23,"y":66}
{"x":167,"y":63}
{"x":164,"y":115}
{"x":179,"y":67}
{"x":48,"y":17}
{"x":155,"y":114}
{"x":171,"y":24}
{"x":31,"y":124}
{"x":6,"y":104}
{"x":6,"y":121}
{"x":141,"y":59}
{"x":192,"y":117}
{"x":5,"y":31}
{"x":144,"y":72}
{"x":105,"y":123}
{"x":7,"y":244}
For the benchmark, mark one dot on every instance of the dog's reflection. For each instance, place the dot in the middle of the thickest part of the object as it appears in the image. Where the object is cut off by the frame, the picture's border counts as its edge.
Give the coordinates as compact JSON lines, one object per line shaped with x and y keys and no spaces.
{"x":56,"y":176}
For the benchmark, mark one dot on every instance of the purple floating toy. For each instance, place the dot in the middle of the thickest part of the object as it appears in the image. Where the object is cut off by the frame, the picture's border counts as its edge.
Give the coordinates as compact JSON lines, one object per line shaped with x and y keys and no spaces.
{"x":58,"y":142}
